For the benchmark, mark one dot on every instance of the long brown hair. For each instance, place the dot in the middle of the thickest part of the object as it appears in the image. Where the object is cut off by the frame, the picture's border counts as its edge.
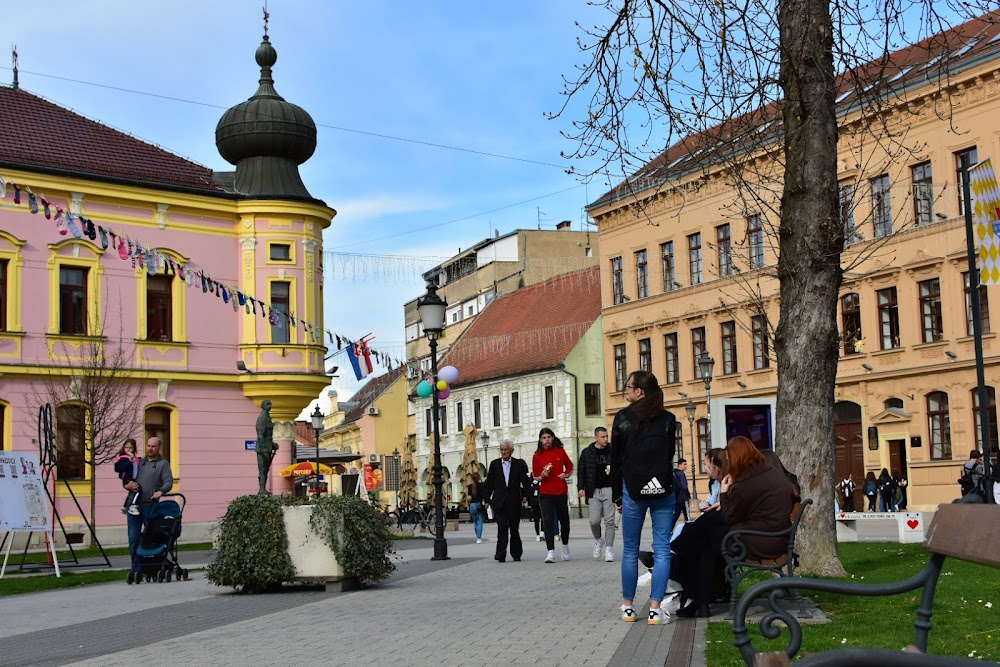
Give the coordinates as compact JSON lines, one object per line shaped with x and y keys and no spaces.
{"x":650,"y":405}
{"x":741,"y":455}
{"x":475,"y":484}
{"x":790,"y":479}
{"x":556,"y":442}
{"x":135,"y":447}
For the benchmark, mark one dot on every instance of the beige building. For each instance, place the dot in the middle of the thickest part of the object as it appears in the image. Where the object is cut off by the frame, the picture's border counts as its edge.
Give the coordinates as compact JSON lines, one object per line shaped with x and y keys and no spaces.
{"x":701,"y":280}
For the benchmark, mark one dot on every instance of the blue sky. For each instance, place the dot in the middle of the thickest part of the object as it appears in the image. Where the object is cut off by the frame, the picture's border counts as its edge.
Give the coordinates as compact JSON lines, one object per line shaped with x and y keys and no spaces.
{"x":475,"y":76}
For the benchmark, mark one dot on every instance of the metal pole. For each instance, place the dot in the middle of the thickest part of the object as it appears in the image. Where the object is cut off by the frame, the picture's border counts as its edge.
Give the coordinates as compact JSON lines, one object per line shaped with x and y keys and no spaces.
{"x":695,"y":456}
{"x":440,"y":544}
{"x":977,"y":329}
{"x":316,"y":490}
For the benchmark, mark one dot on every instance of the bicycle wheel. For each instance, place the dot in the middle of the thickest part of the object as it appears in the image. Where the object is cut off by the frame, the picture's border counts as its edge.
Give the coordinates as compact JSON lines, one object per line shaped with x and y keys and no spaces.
{"x":391,"y":520}
{"x":408,"y":520}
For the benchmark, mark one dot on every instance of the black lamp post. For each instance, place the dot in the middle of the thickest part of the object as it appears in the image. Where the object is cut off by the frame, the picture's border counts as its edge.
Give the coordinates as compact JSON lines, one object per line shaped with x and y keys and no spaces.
{"x":485,"y":437}
{"x":706,"y":364}
{"x":431,"y":308}
{"x":695,"y":453}
{"x":317,"y":424}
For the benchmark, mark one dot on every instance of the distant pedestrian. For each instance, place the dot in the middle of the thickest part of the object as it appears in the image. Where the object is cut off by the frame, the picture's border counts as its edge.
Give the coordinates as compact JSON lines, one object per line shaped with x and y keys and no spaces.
{"x":901,"y":484}
{"x":847,"y":487}
{"x":507,"y":488}
{"x":886,"y":491}
{"x":682,"y":495}
{"x":536,"y":510}
{"x":477,"y":513}
{"x":594,"y":484}
{"x":552,"y":466}
{"x":870,"y":490}
{"x":153,"y":479}
{"x":127,"y":466}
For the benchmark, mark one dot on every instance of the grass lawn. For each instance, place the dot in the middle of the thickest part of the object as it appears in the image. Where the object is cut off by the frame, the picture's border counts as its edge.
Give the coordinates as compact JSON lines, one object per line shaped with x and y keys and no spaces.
{"x":966,"y":616}
{"x":92,"y":552}
{"x":34,"y":584}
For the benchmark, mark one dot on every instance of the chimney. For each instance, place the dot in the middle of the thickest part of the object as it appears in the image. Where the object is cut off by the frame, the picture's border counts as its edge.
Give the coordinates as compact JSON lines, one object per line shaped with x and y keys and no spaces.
{"x":565,"y":224}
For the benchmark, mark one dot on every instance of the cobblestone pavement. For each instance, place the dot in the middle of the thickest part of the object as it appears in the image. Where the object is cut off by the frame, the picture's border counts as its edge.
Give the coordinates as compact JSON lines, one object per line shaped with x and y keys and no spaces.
{"x":469,"y":610}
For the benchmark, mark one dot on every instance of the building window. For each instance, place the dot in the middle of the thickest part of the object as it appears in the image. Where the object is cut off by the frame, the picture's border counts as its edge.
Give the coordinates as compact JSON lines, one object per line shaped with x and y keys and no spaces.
{"x":698,"y":348}
{"x":991,"y":417}
{"x":617,"y":281}
{"x":888,"y":317}
{"x":159,"y":308}
{"x":496,"y":412}
{"x":850,"y":317}
{"x":939,"y":425}
{"x":621,"y":371}
{"x":591,"y":399}
{"x":550,"y":402}
{"x":4,"y":299}
{"x":641,"y":274}
{"x":725,"y":246}
{"x":477,"y":413}
{"x":667,"y":258}
{"x":730,"y":364}
{"x":515,"y":407}
{"x":755,"y":239}
{"x":427,"y":419}
{"x":881,"y":206}
{"x":694,"y":258}
{"x":280,"y":301}
{"x":280,"y":252}
{"x":923,"y":194}
{"x":71,"y":441}
{"x":673,"y":358}
{"x":645,"y":355}
{"x":973,"y":157}
{"x":984,"y":307}
{"x":761,"y":342}
{"x":702,"y":426}
{"x":459,"y":416}
{"x":845,"y":195}
{"x":158,"y":426}
{"x":443,"y":419}
{"x":930,"y":310}
{"x":72,"y":300}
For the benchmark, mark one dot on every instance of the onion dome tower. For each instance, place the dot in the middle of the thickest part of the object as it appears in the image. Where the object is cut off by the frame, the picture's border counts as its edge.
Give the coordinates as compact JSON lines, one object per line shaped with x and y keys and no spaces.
{"x":267,"y":138}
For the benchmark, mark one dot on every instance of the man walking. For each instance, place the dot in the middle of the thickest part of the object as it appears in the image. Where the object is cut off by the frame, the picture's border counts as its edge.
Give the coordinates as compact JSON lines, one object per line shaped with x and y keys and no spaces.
{"x":594,"y":484}
{"x":152,"y":481}
{"x":508,"y":486}
{"x":681,"y":492}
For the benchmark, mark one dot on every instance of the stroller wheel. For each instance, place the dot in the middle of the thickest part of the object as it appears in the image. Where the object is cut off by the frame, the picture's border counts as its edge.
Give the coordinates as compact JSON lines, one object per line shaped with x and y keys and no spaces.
{"x":160,"y":577}
{"x":186,"y":577}
{"x":131,"y":577}
{"x":170,"y":575}
{"x":138,"y":577}
{"x":149,"y":578}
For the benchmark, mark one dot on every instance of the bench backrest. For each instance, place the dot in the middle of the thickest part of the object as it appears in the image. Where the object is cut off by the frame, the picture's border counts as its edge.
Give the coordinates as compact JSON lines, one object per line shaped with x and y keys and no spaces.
{"x":967,"y":532}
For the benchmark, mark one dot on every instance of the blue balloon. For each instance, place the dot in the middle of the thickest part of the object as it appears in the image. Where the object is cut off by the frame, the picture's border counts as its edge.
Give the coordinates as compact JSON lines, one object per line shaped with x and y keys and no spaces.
{"x":449,"y":374}
{"x":424,"y":389}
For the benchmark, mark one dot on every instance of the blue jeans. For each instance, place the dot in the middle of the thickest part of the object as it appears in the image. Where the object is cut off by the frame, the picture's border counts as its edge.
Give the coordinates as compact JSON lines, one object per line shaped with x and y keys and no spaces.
{"x":135,"y":522}
{"x":633,"y":516}
{"x":478,"y":517}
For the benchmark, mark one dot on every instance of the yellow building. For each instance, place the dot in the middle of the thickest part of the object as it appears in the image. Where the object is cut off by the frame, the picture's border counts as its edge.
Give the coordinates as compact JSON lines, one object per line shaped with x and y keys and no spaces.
{"x":700,"y":279}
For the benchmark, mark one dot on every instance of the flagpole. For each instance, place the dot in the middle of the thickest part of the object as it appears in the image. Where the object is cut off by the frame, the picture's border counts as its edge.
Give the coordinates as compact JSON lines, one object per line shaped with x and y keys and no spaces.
{"x":977,"y":328}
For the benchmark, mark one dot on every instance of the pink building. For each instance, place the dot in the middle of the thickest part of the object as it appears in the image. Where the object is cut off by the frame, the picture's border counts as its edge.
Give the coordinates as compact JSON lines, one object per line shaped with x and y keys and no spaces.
{"x":218,"y":268}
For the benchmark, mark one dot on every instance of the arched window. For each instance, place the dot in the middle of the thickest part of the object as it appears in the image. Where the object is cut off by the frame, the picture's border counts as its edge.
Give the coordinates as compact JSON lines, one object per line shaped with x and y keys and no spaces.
{"x":71,"y":440}
{"x":703,"y":444}
{"x":939,"y":425}
{"x":893,"y":403}
{"x":991,"y":417}
{"x":850,"y":313}
{"x":158,"y":426}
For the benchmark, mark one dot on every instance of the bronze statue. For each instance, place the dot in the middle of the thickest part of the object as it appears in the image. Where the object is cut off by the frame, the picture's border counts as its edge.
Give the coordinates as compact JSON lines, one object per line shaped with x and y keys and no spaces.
{"x":266,"y":447}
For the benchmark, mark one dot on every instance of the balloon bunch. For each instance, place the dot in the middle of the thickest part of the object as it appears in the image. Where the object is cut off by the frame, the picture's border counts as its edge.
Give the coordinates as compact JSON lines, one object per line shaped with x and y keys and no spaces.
{"x":446,"y":377}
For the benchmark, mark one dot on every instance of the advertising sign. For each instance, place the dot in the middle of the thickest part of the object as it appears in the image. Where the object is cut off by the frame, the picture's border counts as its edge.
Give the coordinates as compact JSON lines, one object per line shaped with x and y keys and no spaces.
{"x":250,"y":445}
{"x":23,"y":503}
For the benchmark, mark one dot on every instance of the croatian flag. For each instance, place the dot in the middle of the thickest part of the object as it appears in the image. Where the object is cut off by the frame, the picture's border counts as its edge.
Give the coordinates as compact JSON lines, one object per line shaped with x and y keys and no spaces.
{"x":360,"y":359}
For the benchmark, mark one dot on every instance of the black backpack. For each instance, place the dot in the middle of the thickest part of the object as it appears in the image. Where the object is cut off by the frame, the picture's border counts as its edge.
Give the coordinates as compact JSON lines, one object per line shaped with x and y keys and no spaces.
{"x":971,"y":480}
{"x":647,"y":468}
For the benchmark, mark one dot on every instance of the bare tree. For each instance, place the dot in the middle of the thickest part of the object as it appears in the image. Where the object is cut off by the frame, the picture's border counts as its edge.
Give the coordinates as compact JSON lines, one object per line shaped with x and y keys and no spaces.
{"x":103,"y":382}
{"x":758,"y":93}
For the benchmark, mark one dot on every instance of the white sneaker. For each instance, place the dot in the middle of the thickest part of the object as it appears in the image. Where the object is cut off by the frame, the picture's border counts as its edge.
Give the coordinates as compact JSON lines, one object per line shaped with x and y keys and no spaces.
{"x":658,"y":617}
{"x":609,"y":556}
{"x":628,"y":614}
{"x":479,"y":541}
{"x":538,"y":538}
{"x":133,"y":510}
{"x":598,"y":547}
{"x":550,"y":557}
{"x":565,"y":552}
{"x":671,"y":603}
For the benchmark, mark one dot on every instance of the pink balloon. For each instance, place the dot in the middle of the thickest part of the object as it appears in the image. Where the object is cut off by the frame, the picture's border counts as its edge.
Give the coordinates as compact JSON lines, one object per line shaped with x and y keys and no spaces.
{"x":444,"y":393}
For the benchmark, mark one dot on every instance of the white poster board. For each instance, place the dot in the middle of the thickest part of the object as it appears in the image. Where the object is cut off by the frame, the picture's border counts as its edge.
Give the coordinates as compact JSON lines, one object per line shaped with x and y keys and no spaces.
{"x":23,"y":503}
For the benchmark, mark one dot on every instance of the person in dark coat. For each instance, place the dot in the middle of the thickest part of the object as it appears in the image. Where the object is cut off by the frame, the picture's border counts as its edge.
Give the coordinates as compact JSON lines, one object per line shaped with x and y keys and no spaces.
{"x":886,"y":492}
{"x":508,"y":486}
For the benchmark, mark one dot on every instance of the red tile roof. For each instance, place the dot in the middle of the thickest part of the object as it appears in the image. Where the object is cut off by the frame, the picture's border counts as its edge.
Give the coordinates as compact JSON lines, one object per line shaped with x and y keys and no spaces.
{"x":532,"y":329}
{"x":369,"y":393}
{"x":39,"y":135}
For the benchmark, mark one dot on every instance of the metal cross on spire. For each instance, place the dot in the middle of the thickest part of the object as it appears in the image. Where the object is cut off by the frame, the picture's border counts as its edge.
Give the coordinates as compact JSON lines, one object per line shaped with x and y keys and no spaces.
{"x":13,"y":58}
{"x":266,"y":17}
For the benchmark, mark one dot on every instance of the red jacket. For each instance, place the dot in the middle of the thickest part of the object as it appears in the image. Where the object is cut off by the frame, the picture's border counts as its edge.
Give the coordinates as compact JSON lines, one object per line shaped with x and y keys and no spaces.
{"x":561,"y":463}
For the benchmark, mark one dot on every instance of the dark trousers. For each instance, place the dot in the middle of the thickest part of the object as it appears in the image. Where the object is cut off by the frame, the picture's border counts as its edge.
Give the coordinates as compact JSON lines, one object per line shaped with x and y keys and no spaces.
{"x":681,"y":507}
{"x":536,"y":516}
{"x":135,"y":523}
{"x":697,"y":563}
{"x":848,"y":502}
{"x":871,"y":502}
{"x":554,"y":507}
{"x":508,"y":522}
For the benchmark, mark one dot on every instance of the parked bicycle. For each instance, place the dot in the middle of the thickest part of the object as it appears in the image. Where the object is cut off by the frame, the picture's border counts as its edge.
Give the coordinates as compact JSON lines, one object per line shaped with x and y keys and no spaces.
{"x":391,"y":517}
{"x":411,"y":516}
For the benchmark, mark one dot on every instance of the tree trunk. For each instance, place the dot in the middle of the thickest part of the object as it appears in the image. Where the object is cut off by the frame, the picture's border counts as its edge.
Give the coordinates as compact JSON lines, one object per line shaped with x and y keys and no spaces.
{"x":811,"y":239}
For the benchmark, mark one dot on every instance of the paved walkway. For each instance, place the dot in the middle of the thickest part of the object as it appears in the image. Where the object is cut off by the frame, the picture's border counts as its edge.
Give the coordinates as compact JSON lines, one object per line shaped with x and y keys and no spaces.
{"x":469,"y":610}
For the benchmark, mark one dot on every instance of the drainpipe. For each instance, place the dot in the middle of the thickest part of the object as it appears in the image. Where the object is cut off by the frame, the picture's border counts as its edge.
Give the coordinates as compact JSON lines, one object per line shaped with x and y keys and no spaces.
{"x":576,"y":435}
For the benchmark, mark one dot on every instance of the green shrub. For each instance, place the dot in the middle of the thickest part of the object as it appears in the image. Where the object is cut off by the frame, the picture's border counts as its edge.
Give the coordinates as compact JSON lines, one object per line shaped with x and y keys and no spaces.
{"x":253,"y":546}
{"x":358,"y":535}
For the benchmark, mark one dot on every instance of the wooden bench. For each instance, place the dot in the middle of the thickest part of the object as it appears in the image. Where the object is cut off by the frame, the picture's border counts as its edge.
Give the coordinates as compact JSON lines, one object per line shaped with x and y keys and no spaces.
{"x":907,"y":527}
{"x":738,"y":566}
{"x":966,"y":532}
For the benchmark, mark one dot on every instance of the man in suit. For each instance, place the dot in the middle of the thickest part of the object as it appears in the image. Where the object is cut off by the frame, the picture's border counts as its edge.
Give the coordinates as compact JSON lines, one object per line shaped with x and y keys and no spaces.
{"x":508,"y":486}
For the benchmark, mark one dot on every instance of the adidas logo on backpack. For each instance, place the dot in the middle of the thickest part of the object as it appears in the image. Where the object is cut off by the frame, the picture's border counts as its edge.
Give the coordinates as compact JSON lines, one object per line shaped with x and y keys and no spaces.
{"x":653,"y":487}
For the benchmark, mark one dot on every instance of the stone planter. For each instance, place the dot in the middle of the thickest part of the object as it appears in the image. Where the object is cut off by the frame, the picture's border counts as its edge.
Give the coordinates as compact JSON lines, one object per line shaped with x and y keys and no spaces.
{"x":311,"y":557}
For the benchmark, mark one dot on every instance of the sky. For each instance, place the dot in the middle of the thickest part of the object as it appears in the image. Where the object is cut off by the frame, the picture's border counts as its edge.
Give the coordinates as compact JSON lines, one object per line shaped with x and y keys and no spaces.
{"x":431,"y":120}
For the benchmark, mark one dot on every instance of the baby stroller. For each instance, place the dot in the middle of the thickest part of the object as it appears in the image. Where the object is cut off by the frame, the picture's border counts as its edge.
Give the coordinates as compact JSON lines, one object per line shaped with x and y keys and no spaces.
{"x":156,"y":555}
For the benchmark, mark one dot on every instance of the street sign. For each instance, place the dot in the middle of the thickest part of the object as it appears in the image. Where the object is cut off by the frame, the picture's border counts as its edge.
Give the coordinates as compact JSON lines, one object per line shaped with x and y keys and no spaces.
{"x":250,"y":445}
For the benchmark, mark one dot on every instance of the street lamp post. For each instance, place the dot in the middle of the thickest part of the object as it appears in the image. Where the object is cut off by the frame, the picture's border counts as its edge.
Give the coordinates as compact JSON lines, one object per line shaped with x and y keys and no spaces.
{"x":317,"y":424}
{"x":431,"y":308}
{"x":485,"y":437}
{"x":706,"y":364}
{"x":695,"y":454}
